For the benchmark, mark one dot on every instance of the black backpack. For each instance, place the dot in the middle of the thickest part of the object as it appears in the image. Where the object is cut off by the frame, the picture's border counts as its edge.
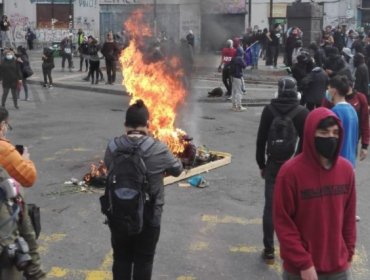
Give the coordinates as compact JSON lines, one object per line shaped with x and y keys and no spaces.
{"x":282,"y":137}
{"x":125,"y":193}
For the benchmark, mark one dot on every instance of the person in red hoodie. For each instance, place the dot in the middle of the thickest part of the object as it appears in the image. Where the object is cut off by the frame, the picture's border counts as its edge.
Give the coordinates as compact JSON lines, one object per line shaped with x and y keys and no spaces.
{"x":315,"y":203}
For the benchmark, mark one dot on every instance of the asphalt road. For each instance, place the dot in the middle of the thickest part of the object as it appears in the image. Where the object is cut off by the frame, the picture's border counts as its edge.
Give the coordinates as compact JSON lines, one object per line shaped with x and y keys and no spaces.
{"x":207,"y":234}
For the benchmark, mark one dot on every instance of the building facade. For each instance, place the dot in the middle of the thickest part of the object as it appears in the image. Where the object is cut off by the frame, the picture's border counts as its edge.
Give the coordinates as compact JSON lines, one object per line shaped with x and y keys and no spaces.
{"x":212,"y":21}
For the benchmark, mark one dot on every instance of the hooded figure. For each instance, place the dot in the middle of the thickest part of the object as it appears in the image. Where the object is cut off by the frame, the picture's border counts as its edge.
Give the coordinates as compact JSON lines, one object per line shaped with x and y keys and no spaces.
{"x":361,"y":74}
{"x":315,"y":202}
{"x":285,"y":103}
{"x":314,"y":86}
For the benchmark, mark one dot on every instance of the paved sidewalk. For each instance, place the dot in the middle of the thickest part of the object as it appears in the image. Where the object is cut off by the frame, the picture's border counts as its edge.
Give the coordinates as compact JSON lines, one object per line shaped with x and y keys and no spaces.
{"x":205,"y":68}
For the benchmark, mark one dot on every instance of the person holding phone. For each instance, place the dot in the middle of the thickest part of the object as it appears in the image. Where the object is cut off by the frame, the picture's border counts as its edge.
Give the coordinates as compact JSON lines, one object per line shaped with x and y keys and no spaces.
{"x":22,"y":169}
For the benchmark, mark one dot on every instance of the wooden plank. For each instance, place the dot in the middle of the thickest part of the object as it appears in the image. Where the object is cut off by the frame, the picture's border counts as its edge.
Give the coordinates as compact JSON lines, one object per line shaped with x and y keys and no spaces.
{"x":225,"y":160}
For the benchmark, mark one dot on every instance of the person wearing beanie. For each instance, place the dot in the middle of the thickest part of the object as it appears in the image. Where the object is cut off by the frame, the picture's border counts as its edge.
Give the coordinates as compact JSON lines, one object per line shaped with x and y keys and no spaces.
{"x":285,"y":103}
{"x":133,"y":255}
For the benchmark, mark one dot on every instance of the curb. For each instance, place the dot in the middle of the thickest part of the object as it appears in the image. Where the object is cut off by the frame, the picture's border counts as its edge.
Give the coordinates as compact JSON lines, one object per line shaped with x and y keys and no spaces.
{"x":84,"y":88}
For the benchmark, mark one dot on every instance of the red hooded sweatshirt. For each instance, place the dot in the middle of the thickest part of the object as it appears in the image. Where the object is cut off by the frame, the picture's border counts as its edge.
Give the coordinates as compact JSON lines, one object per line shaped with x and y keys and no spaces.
{"x":314,"y":208}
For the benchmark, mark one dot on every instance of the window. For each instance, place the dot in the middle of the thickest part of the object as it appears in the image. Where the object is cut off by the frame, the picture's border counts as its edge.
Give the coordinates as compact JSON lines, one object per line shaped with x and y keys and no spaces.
{"x":61,"y":13}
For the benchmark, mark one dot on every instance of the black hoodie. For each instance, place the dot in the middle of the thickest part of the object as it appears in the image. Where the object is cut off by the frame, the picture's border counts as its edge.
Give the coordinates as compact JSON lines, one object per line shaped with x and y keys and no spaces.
{"x":283,"y":105}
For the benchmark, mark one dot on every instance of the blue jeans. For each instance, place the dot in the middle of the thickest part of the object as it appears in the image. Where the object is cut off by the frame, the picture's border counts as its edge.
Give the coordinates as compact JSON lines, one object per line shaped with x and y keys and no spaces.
{"x":255,"y":50}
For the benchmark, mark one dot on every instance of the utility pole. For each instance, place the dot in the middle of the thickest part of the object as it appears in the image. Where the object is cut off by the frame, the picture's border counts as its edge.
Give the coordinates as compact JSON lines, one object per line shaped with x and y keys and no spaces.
{"x":155,"y":17}
{"x":70,"y":16}
{"x":271,"y":12}
{"x":250,"y":13}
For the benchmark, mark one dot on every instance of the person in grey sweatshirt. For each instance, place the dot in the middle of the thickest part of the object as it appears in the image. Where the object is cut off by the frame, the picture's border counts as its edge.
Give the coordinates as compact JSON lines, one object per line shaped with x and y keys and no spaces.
{"x":134,"y":254}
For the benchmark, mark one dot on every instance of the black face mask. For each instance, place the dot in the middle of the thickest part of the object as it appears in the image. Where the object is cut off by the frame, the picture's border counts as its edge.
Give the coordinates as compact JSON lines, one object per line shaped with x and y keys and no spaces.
{"x":326,"y":146}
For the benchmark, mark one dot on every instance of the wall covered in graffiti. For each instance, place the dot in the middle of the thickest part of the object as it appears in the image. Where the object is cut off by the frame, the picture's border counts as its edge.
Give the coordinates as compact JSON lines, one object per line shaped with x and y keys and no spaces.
{"x":22,"y":15}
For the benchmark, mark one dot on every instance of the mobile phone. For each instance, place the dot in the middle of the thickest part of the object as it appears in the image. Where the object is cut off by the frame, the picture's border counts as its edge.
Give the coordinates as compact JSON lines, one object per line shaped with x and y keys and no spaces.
{"x":20,"y":149}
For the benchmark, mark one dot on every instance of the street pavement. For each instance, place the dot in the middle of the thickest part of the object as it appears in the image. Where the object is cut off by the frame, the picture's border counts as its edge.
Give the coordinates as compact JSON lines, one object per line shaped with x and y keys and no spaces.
{"x":207,"y":234}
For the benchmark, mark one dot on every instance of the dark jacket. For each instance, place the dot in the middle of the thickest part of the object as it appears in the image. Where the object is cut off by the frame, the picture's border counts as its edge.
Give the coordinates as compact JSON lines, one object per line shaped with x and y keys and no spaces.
{"x":362,"y":79}
{"x":284,"y":106}
{"x":158,"y":160}
{"x":110,"y":51}
{"x":319,"y":57}
{"x":314,"y":85}
{"x":10,"y":72}
{"x":4,"y":25}
{"x":237,"y":64}
{"x":47,"y":59}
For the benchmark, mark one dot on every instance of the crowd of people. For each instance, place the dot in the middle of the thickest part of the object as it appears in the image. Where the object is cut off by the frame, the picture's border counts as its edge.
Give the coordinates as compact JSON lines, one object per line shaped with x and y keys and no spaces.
{"x":324,"y":106}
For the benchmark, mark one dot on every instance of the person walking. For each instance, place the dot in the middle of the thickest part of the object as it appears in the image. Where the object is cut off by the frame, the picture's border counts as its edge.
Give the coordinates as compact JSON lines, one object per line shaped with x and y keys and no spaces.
{"x":11,"y":74}
{"x":22,"y":58}
{"x":314,"y":86}
{"x":30,"y":37}
{"x":133,"y":254}
{"x":47,"y":67}
{"x":22,"y":169}
{"x":237,"y":65}
{"x":84,"y":54}
{"x":4,"y":30}
{"x":94,"y":60}
{"x":273,"y":45}
{"x":190,"y":38}
{"x":338,"y":89}
{"x":361,"y":74}
{"x":359,"y":102}
{"x":285,"y":104}
{"x":66,"y":49}
{"x":227,"y":55}
{"x":314,"y":205}
{"x":110,"y":51}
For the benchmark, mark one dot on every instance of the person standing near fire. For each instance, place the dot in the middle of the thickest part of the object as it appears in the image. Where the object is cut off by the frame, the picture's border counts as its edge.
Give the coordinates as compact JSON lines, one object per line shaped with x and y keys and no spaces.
{"x":133,"y":255}
{"x":110,"y":50}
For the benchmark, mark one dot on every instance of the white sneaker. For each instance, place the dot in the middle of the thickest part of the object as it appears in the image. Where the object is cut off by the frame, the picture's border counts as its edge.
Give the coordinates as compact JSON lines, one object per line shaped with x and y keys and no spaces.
{"x":234,"y":108}
{"x":358,"y":218}
{"x":241,"y":109}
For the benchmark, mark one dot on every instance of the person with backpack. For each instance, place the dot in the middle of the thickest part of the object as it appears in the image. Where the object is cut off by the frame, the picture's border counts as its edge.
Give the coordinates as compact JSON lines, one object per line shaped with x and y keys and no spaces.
{"x":19,"y":167}
{"x":23,"y":60}
{"x":281,"y":125}
{"x":134,"y":194}
{"x":94,"y":60}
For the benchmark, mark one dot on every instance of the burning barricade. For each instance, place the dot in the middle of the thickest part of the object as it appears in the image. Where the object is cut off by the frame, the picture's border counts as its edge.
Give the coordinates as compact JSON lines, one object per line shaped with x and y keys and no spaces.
{"x":159,"y":83}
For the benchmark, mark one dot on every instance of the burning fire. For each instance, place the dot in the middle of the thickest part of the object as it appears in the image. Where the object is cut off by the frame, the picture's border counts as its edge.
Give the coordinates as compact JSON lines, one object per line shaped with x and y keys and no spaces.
{"x":158,"y":84}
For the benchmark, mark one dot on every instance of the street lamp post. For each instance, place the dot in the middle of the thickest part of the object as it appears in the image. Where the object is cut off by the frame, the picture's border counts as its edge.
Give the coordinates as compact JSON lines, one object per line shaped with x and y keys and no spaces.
{"x":271,"y":13}
{"x":250,"y":13}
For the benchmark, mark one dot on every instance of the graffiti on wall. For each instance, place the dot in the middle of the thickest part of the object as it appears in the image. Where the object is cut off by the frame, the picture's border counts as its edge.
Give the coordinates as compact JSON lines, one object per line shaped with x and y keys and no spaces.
{"x":224,"y":6}
{"x":85,"y":23}
{"x":19,"y":24}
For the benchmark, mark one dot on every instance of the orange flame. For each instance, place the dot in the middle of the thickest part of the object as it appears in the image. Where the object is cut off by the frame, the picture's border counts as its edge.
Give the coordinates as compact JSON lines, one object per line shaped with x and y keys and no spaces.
{"x":158,"y":84}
